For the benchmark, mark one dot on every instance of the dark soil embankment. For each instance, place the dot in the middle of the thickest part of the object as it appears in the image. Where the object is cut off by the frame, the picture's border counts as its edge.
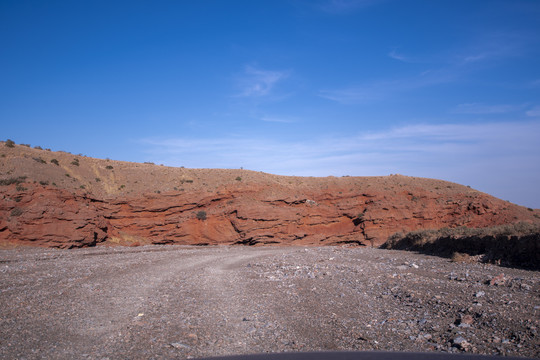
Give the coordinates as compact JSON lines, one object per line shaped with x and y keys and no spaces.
{"x":516,"y":245}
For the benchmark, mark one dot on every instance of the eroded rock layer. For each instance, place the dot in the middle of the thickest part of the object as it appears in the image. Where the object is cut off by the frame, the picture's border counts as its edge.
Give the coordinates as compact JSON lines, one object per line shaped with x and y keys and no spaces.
{"x":67,"y":206}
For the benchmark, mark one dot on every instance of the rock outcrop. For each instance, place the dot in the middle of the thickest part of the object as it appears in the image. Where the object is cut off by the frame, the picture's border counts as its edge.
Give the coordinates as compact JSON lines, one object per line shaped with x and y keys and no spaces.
{"x":46,"y":216}
{"x":255,"y":209}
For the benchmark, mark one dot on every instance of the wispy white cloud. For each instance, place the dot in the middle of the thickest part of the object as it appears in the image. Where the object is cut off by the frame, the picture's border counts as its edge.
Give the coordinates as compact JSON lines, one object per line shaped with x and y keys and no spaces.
{"x":446,"y":67}
{"x":495,"y":157}
{"x":474,"y":58}
{"x":397,"y":56}
{"x":479,"y":108}
{"x":379,"y":90}
{"x":279,"y":119}
{"x":256,"y":82}
{"x":352,"y":95}
{"x":494,"y":46}
{"x":534,"y":112}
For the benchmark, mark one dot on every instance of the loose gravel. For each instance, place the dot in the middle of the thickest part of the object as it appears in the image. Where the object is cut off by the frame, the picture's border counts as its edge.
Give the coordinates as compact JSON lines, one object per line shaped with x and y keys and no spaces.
{"x":189,"y":302}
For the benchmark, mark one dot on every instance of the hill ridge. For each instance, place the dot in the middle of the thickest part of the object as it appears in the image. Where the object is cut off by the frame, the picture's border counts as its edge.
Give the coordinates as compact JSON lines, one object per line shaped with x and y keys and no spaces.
{"x":63,"y":200}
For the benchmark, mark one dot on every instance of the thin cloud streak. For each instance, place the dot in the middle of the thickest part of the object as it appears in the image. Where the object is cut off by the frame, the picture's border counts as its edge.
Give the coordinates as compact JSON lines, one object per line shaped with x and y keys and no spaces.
{"x":379,"y":90}
{"x":495,"y":46}
{"x":534,"y":112}
{"x":444,"y":139}
{"x":278,"y":119}
{"x":258,"y":82}
{"x":452,"y":66}
{"x":478,"y":108}
{"x":400,"y":57}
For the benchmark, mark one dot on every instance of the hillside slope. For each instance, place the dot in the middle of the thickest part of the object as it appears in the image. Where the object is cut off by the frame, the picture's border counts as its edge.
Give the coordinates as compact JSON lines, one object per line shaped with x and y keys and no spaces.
{"x":62,"y":200}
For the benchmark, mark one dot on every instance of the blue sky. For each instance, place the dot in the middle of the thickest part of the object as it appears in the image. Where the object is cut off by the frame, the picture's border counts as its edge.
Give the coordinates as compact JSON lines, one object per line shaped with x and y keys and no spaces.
{"x":440,"y":89}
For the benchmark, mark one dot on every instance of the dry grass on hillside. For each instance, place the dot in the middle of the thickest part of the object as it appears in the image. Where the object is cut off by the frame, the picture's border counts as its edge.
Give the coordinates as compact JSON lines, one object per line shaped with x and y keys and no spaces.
{"x":516,"y":245}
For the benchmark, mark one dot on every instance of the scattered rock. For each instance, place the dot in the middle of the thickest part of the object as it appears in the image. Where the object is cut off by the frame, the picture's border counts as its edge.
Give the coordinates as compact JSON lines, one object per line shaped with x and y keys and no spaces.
{"x":465,"y":321}
{"x":212,"y":304}
{"x":498,"y":280}
{"x":461,"y":343}
{"x":180,"y":346}
{"x":526,"y":287}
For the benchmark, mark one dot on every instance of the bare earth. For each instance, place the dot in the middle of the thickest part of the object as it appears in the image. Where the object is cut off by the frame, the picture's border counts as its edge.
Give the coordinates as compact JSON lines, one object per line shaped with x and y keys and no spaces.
{"x":183,"y":302}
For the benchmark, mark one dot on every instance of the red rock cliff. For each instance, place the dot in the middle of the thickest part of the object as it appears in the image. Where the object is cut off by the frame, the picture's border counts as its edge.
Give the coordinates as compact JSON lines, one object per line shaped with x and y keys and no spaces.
{"x":118,"y":206}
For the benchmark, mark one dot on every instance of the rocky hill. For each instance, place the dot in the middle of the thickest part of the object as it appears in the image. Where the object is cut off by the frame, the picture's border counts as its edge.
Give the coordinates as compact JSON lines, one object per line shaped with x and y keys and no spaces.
{"x":58,"y":199}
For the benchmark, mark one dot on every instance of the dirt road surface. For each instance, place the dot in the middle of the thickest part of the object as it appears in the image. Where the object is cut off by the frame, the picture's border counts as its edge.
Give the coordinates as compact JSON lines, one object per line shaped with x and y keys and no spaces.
{"x":189,"y":302}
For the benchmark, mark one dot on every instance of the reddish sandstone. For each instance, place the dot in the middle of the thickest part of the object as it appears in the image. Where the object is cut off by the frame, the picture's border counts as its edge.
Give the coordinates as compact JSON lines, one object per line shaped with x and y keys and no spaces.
{"x":159,"y":205}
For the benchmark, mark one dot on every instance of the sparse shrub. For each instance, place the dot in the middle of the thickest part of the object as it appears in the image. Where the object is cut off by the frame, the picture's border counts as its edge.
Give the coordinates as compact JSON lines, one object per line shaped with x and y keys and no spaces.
{"x":20,"y":188}
{"x":109,"y":167}
{"x":13,"y":180}
{"x":238,"y":178}
{"x":98,"y":179}
{"x":54,"y":184}
{"x":67,"y":175}
{"x":82,"y":187}
{"x":44,"y":183}
{"x":27,"y":145}
{"x":175,"y":188}
{"x":3,"y":155}
{"x":17,"y":199}
{"x":16,"y":212}
{"x":530,"y":209}
{"x":10,"y":143}
{"x":40,"y":160}
{"x":38,"y":147}
{"x":75,"y":162}
{"x":121,"y":187}
{"x":55,"y":162}
{"x":201,"y":215}
{"x":157,"y":192}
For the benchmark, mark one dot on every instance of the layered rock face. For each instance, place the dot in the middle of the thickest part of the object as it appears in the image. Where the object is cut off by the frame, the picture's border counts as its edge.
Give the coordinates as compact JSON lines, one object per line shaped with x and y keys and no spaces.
{"x":49,"y":217}
{"x":362,"y":211}
{"x":63,"y":200}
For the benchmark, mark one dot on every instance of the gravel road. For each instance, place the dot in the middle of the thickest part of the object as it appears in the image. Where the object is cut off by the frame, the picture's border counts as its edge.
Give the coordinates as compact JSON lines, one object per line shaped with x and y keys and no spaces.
{"x":189,"y":302}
